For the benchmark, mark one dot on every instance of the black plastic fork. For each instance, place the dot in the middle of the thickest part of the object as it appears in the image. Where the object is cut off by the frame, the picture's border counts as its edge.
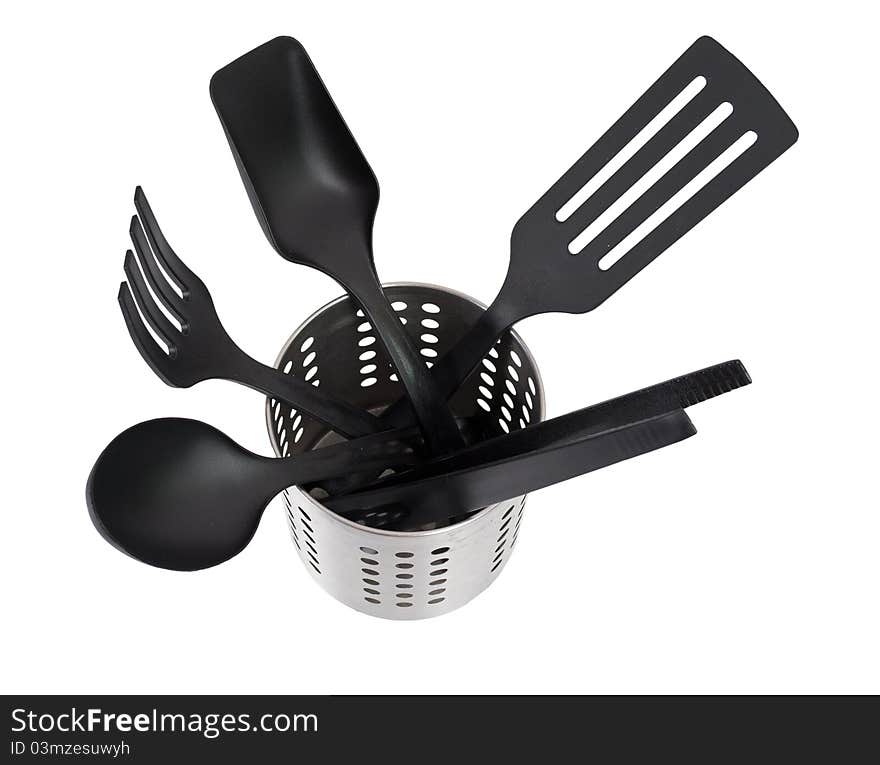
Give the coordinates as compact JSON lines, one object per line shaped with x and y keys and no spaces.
{"x":200,"y":349}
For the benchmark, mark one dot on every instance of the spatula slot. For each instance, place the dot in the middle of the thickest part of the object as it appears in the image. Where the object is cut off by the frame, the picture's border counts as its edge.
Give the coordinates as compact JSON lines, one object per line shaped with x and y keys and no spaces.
{"x":642,"y":137}
{"x":685,"y":146}
{"x":711,"y":171}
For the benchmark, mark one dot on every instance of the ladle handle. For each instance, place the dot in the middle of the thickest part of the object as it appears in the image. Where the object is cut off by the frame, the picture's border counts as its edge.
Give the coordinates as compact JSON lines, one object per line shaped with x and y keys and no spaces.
{"x":373,"y":452}
{"x":453,"y":368}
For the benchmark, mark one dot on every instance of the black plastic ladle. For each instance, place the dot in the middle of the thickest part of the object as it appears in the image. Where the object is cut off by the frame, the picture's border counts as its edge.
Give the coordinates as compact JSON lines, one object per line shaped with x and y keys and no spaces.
{"x":316,"y":197}
{"x":180,"y":494}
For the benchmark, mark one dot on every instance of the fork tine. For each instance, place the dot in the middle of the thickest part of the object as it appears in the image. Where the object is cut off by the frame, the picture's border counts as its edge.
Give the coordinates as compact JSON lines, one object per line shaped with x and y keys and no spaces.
{"x":158,"y":283}
{"x":151,"y":312}
{"x":155,"y":356}
{"x":173,"y":265}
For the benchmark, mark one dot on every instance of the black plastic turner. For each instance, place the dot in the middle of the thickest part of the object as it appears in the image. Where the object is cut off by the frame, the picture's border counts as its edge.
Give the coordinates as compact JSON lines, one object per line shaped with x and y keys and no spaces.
{"x":316,"y":197}
{"x":629,"y":195}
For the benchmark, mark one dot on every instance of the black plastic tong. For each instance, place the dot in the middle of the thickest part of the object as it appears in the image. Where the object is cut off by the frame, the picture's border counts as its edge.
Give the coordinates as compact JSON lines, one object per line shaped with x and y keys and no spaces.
{"x":531,"y":458}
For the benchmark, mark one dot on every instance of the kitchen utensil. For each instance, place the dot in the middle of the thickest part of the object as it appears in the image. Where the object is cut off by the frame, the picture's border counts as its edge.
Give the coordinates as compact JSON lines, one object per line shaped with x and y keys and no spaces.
{"x":180,"y":494}
{"x":316,"y":197}
{"x":415,"y":543}
{"x":424,"y":493}
{"x":423,"y":501}
{"x":699,"y":133}
{"x":202,"y":349}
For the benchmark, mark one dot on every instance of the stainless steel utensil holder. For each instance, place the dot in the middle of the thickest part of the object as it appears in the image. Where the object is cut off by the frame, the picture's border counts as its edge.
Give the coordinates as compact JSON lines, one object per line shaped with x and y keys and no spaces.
{"x":391,"y":574}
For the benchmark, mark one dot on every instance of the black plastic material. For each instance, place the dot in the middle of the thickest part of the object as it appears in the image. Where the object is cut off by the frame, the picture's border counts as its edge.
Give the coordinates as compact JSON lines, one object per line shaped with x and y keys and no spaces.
{"x":202,"y":349}
{"x":425,"y":492}
{"x":180,"y":494}
{"x":545,"y":277}
{"x":316,"y":197}
{"x":417,"y":502}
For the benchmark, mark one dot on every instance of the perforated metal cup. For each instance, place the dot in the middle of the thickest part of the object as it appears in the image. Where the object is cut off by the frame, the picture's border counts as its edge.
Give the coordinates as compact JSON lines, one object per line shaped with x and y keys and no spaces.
{"x":391,"y":574}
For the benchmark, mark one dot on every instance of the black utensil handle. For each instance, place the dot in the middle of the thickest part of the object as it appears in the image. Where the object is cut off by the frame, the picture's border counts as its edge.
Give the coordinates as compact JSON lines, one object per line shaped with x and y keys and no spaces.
{"x":455,"y":365}
{"x":436,"y":498}
{"x":373,"y":452}
{"x":436,"y":421}
{"x":453,"y":368}
{"x":344,"y":418}
{"x":655,"y":400}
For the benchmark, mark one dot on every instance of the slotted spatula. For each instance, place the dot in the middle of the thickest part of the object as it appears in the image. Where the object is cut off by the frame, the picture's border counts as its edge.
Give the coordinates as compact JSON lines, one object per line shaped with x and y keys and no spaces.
{"x":699,"y":133}
{"x":316,"y":197}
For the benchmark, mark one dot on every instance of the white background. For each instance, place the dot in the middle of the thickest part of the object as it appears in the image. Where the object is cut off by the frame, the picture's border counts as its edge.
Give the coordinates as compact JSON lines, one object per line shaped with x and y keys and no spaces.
{"x":742,"y":560}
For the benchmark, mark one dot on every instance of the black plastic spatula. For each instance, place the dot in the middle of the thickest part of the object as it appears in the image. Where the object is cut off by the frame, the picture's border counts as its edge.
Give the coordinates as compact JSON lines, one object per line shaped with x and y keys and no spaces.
{"x":315,"y":196}
{"x":699,"y":133}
